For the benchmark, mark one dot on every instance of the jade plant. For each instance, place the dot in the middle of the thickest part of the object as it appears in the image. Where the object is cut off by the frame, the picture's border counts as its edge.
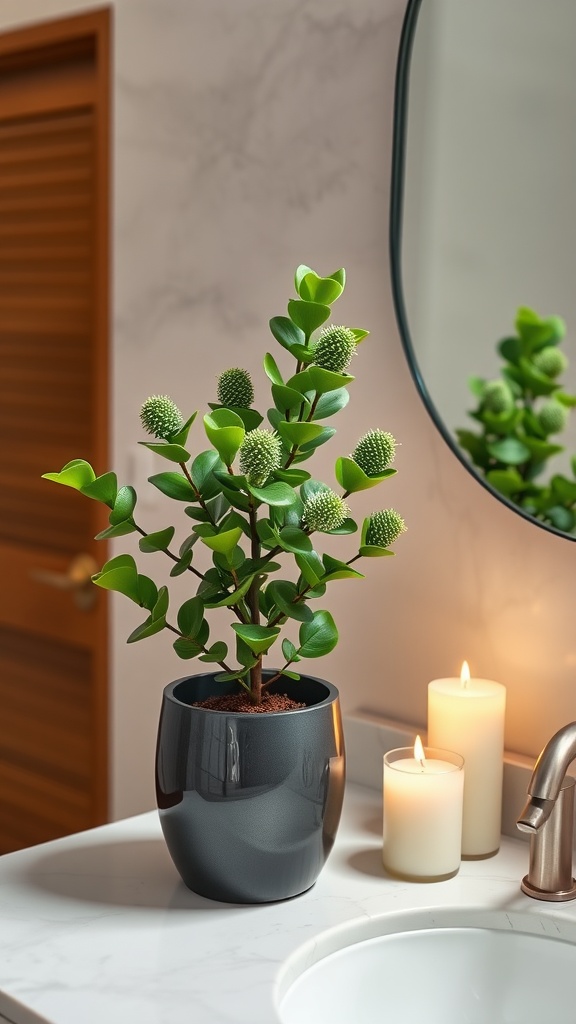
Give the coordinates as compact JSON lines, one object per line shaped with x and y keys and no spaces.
{"x":520,"y":415}
{"x":250,"y":504}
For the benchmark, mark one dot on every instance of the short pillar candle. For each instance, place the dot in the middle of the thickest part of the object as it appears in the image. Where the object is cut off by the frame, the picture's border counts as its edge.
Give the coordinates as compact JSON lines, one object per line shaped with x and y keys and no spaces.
{"x":423,"y":790}
{"x":468,"y":715}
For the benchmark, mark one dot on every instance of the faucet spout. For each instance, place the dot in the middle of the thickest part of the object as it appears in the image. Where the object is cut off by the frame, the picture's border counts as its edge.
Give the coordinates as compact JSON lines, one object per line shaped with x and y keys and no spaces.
{"x":549,"y":818}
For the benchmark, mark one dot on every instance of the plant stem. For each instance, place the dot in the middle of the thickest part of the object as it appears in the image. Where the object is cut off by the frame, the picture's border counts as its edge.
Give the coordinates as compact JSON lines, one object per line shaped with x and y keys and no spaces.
{"x":170,"y":554}
{"x":199,"y":497}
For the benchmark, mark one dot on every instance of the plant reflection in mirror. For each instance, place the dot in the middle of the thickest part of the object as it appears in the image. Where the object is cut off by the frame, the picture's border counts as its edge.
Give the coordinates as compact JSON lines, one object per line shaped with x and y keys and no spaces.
{"x":520,"y":415}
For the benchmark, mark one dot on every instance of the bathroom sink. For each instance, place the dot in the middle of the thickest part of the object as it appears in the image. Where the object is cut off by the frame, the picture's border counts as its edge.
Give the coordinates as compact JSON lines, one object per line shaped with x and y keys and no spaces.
{"x":443,"y":967}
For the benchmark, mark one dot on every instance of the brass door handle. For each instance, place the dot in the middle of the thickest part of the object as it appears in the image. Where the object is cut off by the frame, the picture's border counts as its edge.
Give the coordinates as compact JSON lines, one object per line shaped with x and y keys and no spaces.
{"x":77,"y":578}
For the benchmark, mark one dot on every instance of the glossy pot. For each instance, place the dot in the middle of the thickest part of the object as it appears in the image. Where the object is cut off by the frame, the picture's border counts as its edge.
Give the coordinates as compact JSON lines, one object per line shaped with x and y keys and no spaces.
{"x":249,"y":803}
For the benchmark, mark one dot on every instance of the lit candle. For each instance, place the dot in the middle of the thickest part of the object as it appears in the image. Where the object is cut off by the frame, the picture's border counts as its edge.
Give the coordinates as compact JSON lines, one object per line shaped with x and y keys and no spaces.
{"x":422,"y":812}
{"x":468,"y":715}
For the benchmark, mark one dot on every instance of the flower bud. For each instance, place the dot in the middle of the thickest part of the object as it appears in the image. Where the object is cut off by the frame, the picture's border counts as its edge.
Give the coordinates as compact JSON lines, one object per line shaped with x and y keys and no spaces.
{"x":551,"y":361}
{"x":161,"y":416}
{"x":374,"y":452}
{"x":324,"y":511}
{"x":384,"y":528}
{"x":497,"y":397}
{"x":552,"y":417}
{"x":260,"y":454}
{"x":335,"y":348}
{"x":235,"y":388}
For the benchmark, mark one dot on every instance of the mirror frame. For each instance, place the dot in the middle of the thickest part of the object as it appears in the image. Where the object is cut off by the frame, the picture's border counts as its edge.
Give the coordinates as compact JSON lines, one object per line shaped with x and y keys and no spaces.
{"x":401,"y":114}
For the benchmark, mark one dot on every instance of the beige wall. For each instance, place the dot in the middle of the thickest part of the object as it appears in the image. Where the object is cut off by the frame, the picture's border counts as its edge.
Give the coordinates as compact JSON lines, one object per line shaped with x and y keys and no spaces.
{"x":250,"y":137}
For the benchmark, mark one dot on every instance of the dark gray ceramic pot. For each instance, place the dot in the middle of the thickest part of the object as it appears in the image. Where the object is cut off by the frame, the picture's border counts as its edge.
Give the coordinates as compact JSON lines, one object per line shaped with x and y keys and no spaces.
{"x":249,"y":803}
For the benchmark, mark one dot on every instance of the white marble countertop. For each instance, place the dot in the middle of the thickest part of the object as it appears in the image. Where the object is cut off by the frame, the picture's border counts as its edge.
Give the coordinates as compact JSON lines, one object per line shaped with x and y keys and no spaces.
{"x":98,"y":927}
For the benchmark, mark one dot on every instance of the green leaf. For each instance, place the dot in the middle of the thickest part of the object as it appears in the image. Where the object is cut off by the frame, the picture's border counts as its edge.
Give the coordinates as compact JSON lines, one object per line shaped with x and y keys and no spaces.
{"x":330,"y":403}
{"x":286,"y":333}
{"x":251,"y":418}
{"x":373,"y":551}
{"x":228,"y":677}
{"x":267,"y":536}
{"x":225,"y":431}
{"x":186,"y":648}
{"x":276,"y":494}
{"x":285,"y":596}
{"x":563,"y":489}
{"x":345,"y":528}
{"x":541,"y":450}
{"x":326,"y":380}
{"x":289,"y":651}
{"x":310,"y":446}
{"x":217,"y":652}
{"x":224,"y":542}
{"x":147,"y":592}
{"x":294,"y":477}
{"x":304,"y":353}
{"x":120,"y":576}
{"x":76,"y":474}
{"x":352,"y":478}
{"x":359,"y":334}
{"x":104,"y":488}
{"x":299,"y":433}
{"x":307,"y":315}
{"x":293,"y":539}
{"x":258,"y":638}
{"x":115,"y":531}
{"x":158,"y":541}
{"x":230,"y":599}
{"x":190,"y":616}
{"x":319,"y":289}
{"x":147,"y":628}
{"x":337,"y":570}
{"x":173,"y":485}
{"x":172,"y":452}
{"x":476,"y":386}
{"x":161,"y":607}
{"x":181,"y":436}
{"x":123,"y":506}
{"x":506,"y":481}
{"x":562,"y":518}
{"x":202,"y":472}
{"x":318,"y":637}
{"x":530,"y":379}
{"x":271,"y":369}
{"x":568,"y":400}
{"x":287,"y":398}
{"x":311,"y":567}
{"x":509,"y":450}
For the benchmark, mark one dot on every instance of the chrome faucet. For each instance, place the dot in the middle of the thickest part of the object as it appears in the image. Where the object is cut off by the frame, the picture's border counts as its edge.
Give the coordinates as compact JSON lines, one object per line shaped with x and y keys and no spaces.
{"x":549,"y":818}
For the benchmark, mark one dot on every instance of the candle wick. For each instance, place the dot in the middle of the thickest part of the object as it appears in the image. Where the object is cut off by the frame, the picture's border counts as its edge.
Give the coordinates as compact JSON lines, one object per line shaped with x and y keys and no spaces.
{"x":421,"y":764}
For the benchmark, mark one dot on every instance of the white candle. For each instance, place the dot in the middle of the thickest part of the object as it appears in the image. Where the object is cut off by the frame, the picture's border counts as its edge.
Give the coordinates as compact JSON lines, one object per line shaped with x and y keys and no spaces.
{"x":468,"y":715}
{"x":422,"y":813}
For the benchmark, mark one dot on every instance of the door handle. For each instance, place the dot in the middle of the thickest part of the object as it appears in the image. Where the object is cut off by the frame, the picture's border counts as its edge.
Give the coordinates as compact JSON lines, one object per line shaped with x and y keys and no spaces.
{"x":77,"y":579}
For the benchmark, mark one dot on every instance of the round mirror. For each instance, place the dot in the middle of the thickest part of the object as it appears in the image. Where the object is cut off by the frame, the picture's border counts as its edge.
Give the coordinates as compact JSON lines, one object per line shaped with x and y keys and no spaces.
{"x":482,"y":240}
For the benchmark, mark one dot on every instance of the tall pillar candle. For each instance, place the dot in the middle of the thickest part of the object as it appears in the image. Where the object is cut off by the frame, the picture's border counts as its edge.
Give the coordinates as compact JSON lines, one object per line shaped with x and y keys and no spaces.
{"x":467,"y":715}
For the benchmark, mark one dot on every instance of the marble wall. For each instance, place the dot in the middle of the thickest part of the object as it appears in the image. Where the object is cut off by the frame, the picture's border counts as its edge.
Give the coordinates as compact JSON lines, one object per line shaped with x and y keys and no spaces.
{"x":250,"y":137}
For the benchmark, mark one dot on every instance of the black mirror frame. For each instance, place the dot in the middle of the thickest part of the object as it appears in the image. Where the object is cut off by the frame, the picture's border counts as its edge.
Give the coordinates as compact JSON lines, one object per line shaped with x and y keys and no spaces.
{"x":395,"y":252}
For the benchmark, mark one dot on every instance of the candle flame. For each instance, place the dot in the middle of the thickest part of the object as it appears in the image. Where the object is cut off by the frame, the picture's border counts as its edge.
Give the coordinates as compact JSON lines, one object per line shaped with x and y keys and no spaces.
{"x":464,"y":674}
{"x":419,"y":751}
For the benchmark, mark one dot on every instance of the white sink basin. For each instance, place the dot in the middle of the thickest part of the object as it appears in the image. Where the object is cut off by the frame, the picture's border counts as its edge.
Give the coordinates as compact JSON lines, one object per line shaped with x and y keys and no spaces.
{"x":453,"y":967}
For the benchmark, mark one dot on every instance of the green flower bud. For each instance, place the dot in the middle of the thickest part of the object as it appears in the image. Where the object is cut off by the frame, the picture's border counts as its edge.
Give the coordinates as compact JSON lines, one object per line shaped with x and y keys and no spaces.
{"x":260,"y":454}
{"x":324,"y":511}
{"x":384,"y":528}
{"x":161,"y":416}
{"x":497,"y":397}
{"x":374,"y":452}
{"x":235,"y":388}
{"x":551,"y":361}
{"x":335,"y":348}
{"x":552,"y":417}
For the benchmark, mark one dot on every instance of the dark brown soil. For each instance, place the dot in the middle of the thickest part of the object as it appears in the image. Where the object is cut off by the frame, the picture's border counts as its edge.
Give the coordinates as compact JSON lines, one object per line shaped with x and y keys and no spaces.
{"x":240,"y":702}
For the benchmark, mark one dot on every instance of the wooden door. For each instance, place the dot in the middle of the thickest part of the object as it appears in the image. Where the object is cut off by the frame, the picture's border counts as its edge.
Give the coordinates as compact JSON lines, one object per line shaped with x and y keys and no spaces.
{"x":54,"y":130}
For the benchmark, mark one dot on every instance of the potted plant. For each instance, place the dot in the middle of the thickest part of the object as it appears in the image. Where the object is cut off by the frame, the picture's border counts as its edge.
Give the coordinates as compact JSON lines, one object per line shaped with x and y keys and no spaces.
{"x":250,"y":759}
